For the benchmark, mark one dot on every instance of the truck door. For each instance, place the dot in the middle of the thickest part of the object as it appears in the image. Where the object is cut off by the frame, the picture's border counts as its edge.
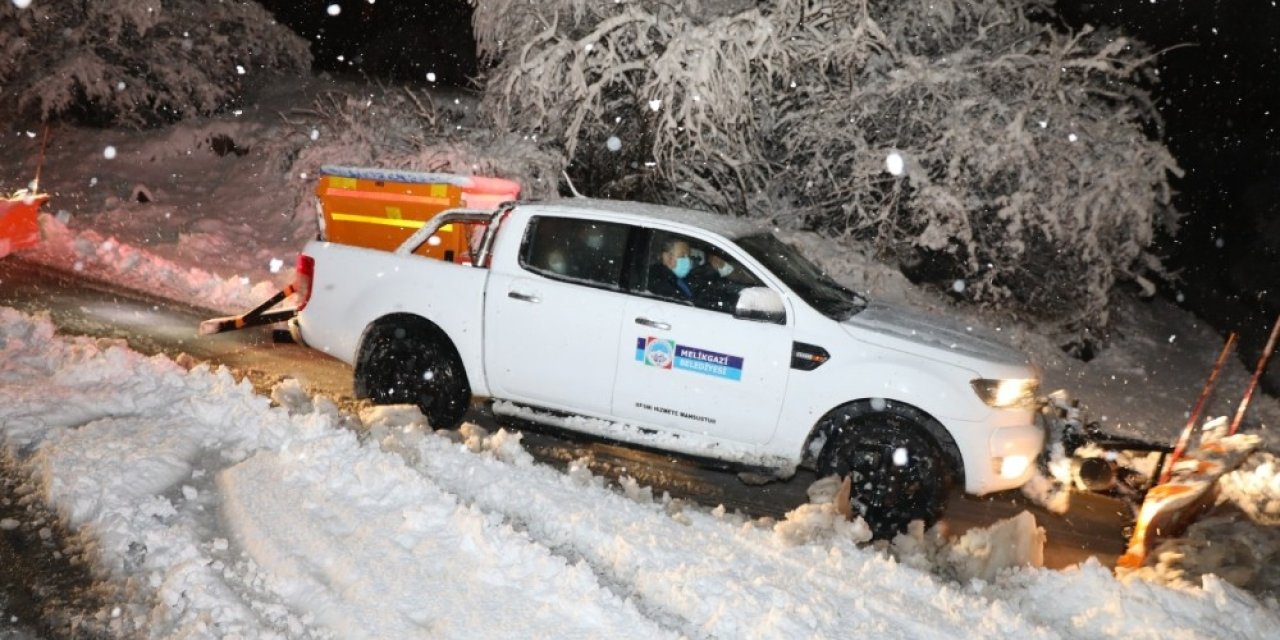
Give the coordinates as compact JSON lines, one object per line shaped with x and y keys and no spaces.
{"x":552,"y":315}
{"x":685,"y":362}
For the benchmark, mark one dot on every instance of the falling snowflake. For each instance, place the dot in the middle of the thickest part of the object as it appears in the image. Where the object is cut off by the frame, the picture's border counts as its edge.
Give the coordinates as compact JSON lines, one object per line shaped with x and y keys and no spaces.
{"x":613,"y":143}
{"x":655,"y":104}
{"x":900,"y":457}
{"x":894,"y":163}
{"x":22,"y":4}
{"x":240,"y":70}
{"x":109,"y":153}
{"x":878,"y":404}
{"x":315,"y":134}
{"x":1072,"y":137}
{"x":431,"y":77}
{"x":275,"y":265}
{"x":958,"y":286}
{"x":334,"y":10}
{"x":120,"y":86}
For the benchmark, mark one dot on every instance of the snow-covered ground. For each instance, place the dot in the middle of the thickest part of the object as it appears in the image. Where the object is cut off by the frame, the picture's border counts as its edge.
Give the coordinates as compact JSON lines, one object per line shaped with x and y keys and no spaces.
{"x":214,"y":512}
{"x":217,"y":512}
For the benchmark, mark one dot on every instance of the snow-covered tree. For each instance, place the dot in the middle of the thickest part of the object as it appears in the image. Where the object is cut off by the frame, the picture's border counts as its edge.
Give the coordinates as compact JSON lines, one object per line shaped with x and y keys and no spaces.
{"x":136,"y":62}
{"x":408,"y":129}
{"x":980,"y":135}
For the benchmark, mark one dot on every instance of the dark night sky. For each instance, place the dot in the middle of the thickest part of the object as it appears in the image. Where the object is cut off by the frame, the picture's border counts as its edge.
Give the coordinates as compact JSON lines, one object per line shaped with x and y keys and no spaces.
{"x":1219,"y":96}
{"x":1220,"y":100}
{"x":391,"y":39}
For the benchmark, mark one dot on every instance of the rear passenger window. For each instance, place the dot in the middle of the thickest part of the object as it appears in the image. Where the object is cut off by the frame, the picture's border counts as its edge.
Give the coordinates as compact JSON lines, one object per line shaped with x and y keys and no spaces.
{"x":575,"y":250}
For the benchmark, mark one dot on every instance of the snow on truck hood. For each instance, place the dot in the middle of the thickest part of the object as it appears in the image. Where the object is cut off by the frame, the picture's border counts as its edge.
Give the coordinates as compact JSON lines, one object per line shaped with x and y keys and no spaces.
{"x":943,"y":340}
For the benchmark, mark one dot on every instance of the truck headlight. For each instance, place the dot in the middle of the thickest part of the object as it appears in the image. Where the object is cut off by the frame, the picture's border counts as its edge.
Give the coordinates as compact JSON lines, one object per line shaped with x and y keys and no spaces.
{"x":1005,"y":394}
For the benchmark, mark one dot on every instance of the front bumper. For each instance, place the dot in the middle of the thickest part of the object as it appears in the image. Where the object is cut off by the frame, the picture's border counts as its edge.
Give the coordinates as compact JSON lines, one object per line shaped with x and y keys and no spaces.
{"x":1010,"y":461}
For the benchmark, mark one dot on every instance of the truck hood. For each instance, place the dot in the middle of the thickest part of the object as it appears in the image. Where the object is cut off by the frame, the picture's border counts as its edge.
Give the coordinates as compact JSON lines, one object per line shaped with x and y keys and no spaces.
{"x":939,"y":339}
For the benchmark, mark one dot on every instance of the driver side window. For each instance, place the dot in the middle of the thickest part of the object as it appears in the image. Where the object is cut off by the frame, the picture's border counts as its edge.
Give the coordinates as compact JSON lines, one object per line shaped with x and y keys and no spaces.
{"x":690,"y":271}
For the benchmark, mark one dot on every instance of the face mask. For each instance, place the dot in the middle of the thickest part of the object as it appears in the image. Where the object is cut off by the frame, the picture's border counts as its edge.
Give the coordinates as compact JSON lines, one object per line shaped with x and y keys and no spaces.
{"x":724,"y":270}
{"x":683,"y":266}
{"x":595,"y":241}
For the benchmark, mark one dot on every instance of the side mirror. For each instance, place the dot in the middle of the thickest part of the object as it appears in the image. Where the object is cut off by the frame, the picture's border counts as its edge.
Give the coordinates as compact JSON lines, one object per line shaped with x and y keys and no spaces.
{"x":762,"y":304}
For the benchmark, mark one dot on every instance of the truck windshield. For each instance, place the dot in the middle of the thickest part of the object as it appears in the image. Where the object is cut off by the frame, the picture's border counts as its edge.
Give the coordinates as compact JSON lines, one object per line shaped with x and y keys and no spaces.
{"x":806,"y":279}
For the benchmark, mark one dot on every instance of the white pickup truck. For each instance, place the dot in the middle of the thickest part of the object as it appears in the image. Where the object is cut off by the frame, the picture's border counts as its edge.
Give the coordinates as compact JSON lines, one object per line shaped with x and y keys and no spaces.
{"x":682,"y":331}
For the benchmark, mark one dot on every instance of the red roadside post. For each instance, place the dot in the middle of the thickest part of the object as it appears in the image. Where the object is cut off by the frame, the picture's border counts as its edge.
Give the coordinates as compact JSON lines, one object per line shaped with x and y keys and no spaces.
{"x":1185,"y":438}
{"x":1257,"y":375}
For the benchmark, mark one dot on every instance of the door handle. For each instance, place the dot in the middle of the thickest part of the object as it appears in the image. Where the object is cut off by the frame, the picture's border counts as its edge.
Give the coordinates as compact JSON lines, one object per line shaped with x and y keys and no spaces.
{"x":653,"y":323}
{"x":524,"y":297}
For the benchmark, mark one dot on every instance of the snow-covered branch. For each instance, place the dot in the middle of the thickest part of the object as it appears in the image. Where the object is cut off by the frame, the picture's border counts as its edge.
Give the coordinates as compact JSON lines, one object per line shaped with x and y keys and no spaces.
{"x":1026,"y":166}
{"x":137,"y":62}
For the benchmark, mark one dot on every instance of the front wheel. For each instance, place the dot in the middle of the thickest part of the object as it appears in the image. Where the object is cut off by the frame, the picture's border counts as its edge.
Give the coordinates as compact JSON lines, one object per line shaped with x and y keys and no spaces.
{"x":405,"y":364}
{"x":898,"y":472}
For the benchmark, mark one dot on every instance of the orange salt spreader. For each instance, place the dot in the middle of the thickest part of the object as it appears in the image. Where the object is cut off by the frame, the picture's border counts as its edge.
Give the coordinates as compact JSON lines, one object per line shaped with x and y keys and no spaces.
{"x":381,"y":208}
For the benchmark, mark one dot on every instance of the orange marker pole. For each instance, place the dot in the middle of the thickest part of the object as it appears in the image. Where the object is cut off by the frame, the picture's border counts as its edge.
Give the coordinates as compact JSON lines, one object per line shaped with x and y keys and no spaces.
{"x":1181,"y":446}
{"x":1257,"y":375}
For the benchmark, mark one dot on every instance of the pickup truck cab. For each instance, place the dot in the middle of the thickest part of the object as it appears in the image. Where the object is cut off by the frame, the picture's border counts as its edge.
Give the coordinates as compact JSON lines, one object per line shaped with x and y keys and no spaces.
{"x":683,"y":331}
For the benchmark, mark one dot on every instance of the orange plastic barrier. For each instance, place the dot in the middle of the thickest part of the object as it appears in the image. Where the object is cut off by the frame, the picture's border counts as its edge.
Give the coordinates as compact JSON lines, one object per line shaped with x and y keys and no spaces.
{"x":18,"y":225}
{"x":380,"y":208}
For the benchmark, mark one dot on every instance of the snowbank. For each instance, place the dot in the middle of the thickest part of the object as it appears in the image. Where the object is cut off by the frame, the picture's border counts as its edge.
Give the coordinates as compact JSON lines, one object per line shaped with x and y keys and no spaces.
{"x":217,"y":512}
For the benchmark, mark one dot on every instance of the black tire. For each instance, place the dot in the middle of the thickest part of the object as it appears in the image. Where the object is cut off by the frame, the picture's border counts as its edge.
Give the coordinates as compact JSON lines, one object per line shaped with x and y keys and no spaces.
{"x":414,"y":363}
{"x":898,"y":471}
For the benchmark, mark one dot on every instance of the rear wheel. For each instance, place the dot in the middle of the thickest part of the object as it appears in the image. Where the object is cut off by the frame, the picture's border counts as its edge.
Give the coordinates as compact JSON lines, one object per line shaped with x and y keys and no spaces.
{"x":897,"y":469}
{"x":414,"y":363}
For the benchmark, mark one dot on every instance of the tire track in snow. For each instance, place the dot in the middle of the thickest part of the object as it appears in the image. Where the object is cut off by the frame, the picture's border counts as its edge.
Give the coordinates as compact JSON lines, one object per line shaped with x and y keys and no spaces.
{"x":726,"y":578}
{"x":113,"y":440}
{"x":718,"y":578}
{"x":375,"y":550}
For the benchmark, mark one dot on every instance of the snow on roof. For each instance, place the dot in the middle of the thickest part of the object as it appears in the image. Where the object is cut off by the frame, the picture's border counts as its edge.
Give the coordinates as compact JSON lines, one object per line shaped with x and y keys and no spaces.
{"x":727,"y":226}
{"x":483,"y":183}
{"x":395,"y":175}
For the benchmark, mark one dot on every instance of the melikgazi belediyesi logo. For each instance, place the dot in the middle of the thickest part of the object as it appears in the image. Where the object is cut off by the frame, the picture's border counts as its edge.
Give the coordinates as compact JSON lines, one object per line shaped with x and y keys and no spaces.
{"x":666,"y":354}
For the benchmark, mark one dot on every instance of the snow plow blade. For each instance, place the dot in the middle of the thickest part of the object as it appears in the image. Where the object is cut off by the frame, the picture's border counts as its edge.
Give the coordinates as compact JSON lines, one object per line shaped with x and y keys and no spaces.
{"x":19,"y":227}
{"x":1170,"y":507}
{"x":256,"y":317}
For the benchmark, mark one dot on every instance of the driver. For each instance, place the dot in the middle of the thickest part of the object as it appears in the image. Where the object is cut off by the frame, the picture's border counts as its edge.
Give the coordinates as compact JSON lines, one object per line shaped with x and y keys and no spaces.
{"x":667,"y":277}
